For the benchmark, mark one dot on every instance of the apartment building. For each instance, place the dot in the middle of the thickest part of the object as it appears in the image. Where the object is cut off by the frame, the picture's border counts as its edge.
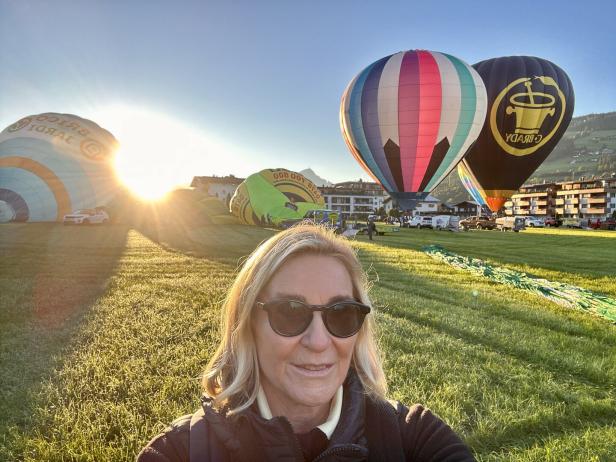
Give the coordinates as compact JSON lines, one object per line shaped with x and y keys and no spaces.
{"x":357,"y":199}
{"x":586,"y":199}
{"x":579,"y":199}
{"x":538,"y":200}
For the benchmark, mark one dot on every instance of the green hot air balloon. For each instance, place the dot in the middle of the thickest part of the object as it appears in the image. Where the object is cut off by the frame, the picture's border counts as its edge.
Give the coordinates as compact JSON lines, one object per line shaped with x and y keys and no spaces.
{"x":272,"y":196}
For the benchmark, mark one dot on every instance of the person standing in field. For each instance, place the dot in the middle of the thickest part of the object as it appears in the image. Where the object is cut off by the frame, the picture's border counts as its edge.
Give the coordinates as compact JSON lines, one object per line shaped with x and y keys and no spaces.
{"x":371,"y":228}
{"x":297,"y":375}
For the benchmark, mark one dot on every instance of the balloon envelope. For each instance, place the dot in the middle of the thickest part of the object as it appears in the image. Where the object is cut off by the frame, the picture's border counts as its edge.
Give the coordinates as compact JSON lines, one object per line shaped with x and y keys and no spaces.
{"x":52,"y":164}
{"x":471,"y":184}
{"x":530,"y":105}
{"x":273,"y":195}
{"x":409,"y":118}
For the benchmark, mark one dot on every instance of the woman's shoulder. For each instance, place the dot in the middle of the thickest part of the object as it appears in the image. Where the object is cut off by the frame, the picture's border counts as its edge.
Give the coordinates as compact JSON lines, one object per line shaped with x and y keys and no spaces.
{"x":426,"y":435}
{"x":172,"y":445}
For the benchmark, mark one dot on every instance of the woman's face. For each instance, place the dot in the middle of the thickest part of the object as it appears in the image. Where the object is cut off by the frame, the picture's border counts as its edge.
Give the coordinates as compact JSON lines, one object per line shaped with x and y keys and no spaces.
{"x":305,"y":370}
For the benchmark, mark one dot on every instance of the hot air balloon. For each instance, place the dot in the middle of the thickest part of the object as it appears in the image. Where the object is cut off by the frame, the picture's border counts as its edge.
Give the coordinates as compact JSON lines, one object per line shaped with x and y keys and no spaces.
{"x":274,"y":195}
{"x":530,"y":105}
{"x":471,"y":184}
{"x":409,"y":118}
{"x":52,"y":164}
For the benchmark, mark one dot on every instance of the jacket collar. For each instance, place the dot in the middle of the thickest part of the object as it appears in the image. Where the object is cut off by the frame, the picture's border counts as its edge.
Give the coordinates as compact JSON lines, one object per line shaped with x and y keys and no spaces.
{"x":245,"y":433}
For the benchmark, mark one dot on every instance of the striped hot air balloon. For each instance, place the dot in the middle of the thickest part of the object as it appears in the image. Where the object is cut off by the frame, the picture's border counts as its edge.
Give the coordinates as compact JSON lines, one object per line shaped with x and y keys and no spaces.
{"x":409,"y":118}
{"x":471,"y":184}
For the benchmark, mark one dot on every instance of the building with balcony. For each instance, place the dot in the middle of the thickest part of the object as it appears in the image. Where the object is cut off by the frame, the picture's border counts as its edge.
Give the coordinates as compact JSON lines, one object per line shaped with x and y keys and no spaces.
{"x":577,"y":199}
{"x":357,"y":199}
{"x":222,"y":187}
{"x":586,"y":198}
{"x":537,"y":200}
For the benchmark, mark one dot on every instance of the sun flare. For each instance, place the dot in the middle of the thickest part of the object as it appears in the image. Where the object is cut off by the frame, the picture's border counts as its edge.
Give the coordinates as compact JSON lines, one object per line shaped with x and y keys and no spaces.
{"x":158,"y":153}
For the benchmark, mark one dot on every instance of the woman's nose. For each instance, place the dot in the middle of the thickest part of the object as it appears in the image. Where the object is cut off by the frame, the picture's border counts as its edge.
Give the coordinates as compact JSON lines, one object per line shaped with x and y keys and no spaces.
{"x":316,"y":337}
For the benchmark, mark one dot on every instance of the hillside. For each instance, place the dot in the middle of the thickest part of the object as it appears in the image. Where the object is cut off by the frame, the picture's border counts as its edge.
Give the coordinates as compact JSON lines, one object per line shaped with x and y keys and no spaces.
{"x":588,"y":148}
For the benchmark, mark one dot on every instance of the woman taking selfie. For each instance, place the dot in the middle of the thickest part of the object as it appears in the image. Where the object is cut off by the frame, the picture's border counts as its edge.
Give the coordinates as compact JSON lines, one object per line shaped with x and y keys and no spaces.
{"x":297,"y":375}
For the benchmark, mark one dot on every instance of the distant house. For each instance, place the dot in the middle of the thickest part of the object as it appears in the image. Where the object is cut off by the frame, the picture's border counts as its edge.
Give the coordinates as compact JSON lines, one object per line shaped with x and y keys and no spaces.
{"x":221,"y":187}
{"x":428,"y":206}
{"x":445,"y":209}
{"x":467,"y":209}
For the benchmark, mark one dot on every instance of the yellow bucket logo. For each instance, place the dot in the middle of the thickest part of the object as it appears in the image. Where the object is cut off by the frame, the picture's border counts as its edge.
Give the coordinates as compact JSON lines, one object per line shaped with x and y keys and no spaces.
{"x":530,"y":117}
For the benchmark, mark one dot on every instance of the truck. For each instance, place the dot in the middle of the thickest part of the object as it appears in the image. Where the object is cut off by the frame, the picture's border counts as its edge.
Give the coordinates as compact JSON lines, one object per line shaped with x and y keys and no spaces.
{"x":515,"y":224}
{"x":477,"y":222}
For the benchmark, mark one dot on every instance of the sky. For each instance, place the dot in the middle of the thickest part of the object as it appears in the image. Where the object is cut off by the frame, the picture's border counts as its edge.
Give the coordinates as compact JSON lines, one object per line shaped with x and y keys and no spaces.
{"x":203,"y":87}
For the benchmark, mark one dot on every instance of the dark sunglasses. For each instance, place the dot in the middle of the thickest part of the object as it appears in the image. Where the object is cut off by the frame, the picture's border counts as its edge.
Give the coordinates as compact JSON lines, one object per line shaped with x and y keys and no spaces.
{"x":292,"y":317}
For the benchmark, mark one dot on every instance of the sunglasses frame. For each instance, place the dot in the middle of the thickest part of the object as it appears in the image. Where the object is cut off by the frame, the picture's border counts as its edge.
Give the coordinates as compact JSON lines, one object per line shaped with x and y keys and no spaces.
{"x":363,"y":309}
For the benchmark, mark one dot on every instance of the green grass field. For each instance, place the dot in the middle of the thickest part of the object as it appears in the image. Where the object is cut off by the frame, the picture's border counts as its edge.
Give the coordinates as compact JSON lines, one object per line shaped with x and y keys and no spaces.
{"x":104,"y":332}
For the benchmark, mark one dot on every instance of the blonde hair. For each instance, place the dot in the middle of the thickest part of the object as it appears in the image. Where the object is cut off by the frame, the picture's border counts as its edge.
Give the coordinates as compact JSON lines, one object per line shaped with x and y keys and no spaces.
{"x":232,"y":375}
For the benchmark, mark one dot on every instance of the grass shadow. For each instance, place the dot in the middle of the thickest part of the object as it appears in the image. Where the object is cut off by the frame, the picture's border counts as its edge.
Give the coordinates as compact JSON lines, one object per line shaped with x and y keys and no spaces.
{"x":49,"y":279}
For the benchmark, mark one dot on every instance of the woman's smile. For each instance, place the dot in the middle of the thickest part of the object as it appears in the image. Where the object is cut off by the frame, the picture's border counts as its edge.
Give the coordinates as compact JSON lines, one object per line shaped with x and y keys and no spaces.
{"x":313,"y":370}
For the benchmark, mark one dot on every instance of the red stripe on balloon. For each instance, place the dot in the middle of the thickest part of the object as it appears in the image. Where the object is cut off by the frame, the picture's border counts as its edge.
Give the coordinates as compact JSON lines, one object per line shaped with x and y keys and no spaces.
{"x":408,"y":115}
{"x":430,"y":100}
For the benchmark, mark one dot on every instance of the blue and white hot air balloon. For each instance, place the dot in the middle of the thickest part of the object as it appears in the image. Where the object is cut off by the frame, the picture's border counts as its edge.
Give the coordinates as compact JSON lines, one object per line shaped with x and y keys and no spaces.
{"x":52,"y":164}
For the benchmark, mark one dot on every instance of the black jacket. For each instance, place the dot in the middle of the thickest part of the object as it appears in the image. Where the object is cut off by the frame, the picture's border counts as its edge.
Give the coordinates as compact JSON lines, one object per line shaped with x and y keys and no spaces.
{"x":367,"y":430}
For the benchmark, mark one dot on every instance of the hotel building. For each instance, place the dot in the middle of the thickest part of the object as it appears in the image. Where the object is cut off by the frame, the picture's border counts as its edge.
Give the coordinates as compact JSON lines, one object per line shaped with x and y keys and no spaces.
{"x":576,"y":199}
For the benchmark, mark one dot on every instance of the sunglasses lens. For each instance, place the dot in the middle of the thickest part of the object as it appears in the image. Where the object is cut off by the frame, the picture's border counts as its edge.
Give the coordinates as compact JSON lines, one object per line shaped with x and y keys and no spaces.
{"x":344,"y":320}
{"x":289,"y":318}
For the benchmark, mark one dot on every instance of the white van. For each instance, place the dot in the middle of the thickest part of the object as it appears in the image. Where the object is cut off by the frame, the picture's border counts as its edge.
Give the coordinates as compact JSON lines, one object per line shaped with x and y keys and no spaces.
{"x":446,"y":222}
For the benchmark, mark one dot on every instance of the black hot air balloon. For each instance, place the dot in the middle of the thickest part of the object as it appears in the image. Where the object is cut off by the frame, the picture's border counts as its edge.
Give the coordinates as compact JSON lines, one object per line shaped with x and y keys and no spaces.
{"x":530,"y":104}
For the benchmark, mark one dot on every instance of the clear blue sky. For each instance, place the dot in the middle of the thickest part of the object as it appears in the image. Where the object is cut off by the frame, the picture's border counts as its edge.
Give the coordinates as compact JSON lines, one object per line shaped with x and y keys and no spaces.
{"x":268,"y":76}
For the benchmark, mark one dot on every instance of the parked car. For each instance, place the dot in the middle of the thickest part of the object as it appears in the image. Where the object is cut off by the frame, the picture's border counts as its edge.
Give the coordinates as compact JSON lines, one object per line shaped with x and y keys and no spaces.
{"x":446,"y":222}
{"x":86,"y":217}
{"x":425,"y":222}
{"x":413,"y":222}
{"x":572,"y":222}
{"x":515,"y":224}
{"x":552,"y":222}
{"x":477,"y":222}
{"x":609,"y":224}
{"x":533,"y":222}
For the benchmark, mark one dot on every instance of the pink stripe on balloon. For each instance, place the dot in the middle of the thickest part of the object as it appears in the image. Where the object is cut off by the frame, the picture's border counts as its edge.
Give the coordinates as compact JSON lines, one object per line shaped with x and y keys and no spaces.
{"x":430,"y":100}
{"x":408,"y":115}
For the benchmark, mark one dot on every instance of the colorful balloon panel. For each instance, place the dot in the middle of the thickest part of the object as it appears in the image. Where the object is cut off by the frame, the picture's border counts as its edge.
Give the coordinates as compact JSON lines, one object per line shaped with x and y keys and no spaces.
{"x":272,"y":195}
{"x":530,"y":105}
{"x":52,"y":164}
{"x":408,"y":118}
{"x":471,"y":184}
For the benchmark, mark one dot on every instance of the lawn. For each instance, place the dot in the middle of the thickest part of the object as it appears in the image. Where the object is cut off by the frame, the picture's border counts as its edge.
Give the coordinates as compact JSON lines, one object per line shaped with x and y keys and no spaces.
{"x":104,"y":332}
